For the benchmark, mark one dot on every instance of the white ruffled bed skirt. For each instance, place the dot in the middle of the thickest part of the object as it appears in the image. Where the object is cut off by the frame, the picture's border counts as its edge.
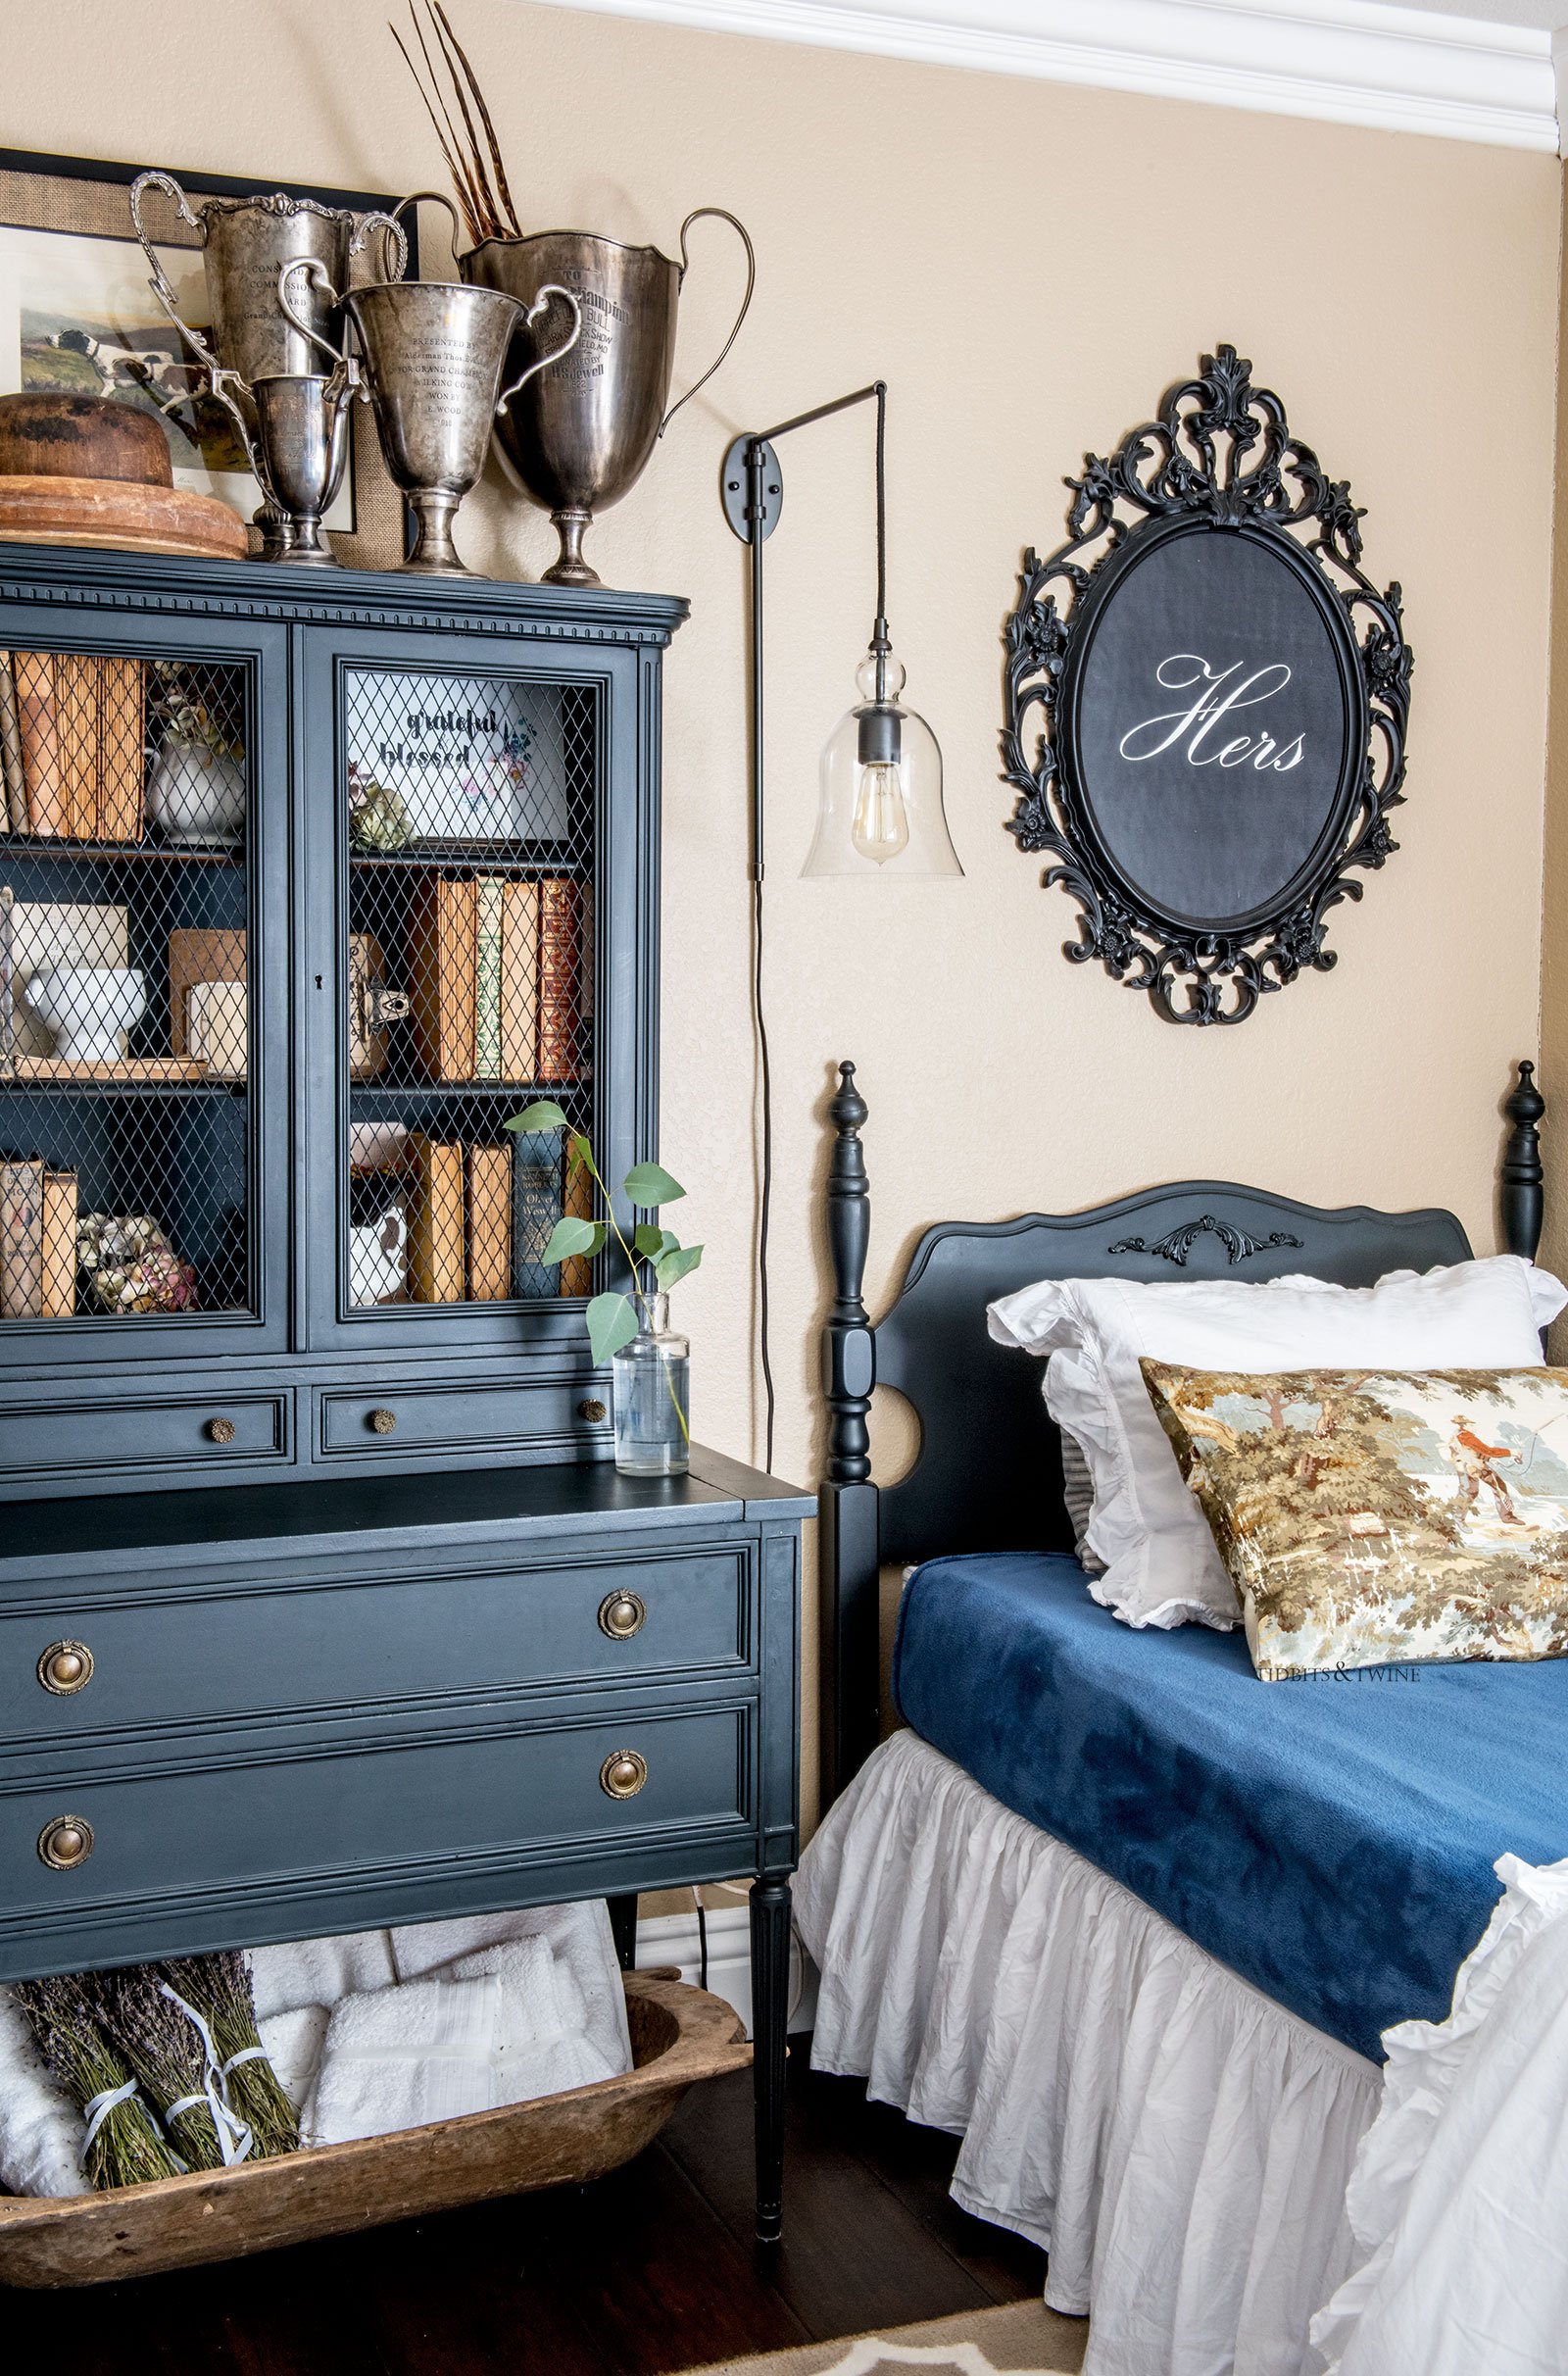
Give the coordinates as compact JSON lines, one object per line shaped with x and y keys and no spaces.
{"x":1179,"y":2144}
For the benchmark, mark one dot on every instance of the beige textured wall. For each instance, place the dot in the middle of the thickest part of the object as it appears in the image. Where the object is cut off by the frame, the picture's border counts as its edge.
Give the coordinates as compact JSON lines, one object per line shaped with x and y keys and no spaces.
{"x":1028,"y":265}
{"x":1554,"y":902}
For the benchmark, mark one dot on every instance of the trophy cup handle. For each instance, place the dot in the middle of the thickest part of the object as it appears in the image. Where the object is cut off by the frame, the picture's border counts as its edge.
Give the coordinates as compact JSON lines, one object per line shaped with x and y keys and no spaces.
{"x":541,"y":305}
{"x":158,"y":181}
{"x":316,"y":273}
{"x":434,"y":198}
{"x":395,"y":260}
{"x":736,"y":224}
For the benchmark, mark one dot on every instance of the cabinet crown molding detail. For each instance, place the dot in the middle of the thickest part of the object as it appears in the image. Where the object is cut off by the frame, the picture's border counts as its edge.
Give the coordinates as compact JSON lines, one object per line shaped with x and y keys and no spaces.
{"x":1392,"y":69}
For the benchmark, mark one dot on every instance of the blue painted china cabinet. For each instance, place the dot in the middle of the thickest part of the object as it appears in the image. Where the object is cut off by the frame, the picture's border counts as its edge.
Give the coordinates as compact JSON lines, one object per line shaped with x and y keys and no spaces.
{"x":322,"y":1605}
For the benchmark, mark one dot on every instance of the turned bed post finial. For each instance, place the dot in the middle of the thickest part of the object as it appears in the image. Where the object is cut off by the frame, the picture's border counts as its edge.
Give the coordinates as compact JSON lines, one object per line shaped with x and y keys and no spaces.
{"x":849,"y":1552}
{"x":850,"y":1350}
{"x":1523,"y":1196}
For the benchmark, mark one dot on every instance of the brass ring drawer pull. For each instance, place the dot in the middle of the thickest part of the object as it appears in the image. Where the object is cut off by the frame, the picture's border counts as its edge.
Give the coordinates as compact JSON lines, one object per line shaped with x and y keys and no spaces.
{"x":593,"y":1411}
{"x":65,"y":1667}
{"x":622,"y":1773}
{"x":221,"y":1431}
{"x":65,"y":1842}
{"x":621,"y":1614}
{"x":382,"y":1422}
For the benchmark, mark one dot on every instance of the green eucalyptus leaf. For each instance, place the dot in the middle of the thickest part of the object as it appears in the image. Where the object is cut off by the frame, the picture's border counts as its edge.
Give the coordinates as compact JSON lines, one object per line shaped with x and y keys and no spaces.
{"x":651,"y":1184}
{"x":611,"y":1323}
{"x":648,"y":1240}
{"x":673,"y":1268}
{"x":571,"y":1236}
{"x":578,"y":1149}
{"x":543,"y":1115}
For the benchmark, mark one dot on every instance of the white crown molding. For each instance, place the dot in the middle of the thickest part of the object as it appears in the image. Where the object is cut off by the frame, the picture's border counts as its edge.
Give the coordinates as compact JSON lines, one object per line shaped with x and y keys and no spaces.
{"x":1408,"y":70}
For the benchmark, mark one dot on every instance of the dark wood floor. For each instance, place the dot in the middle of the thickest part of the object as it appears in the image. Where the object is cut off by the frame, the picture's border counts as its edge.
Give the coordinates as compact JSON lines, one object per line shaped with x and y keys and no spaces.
{"x":649,"y":2270}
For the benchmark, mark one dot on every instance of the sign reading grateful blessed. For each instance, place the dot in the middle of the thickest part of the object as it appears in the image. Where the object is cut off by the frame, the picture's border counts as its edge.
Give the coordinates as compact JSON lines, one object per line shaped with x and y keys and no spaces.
{"x":1220,"y":693}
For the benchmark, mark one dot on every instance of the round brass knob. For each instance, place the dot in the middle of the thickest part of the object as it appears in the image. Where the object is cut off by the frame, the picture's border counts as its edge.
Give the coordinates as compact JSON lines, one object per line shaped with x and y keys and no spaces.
{"x":65,"y":1842}
{"x":622,"y":1773}
{"x":592,"y":1409}
{"x":382,"y":1422}
{"x":65,"y":1667}
{"x":621,"y":1616}
{"x":221,"y":1431}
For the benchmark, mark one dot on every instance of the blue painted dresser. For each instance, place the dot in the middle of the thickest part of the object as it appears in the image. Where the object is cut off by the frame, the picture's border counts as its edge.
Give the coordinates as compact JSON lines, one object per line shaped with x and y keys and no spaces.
{"x":321,"y":1603}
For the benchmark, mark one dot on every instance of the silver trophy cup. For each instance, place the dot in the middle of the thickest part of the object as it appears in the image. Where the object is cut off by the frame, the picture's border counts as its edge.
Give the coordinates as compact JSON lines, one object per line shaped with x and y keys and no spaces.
{"x":246,"y":243}
{"x":583,"y":433}
{"x":432,"y":353}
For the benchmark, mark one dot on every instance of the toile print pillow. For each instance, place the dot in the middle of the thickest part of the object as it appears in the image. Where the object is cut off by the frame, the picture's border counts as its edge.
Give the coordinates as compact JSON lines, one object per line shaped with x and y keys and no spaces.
{"x":1372,"y":1517}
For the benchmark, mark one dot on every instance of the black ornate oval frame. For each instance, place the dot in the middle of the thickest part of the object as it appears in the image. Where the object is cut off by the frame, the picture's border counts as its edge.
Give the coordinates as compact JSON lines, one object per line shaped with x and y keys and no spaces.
{"x":1219,"y":456}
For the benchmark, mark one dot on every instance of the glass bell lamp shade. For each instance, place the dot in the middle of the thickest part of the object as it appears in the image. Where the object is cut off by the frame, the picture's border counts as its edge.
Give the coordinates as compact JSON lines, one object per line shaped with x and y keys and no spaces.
{"x":881,"y":810}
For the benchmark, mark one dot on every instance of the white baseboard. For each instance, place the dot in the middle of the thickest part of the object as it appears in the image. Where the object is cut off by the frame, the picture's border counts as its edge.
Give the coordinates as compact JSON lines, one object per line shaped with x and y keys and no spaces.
{"x":673,"y":1939}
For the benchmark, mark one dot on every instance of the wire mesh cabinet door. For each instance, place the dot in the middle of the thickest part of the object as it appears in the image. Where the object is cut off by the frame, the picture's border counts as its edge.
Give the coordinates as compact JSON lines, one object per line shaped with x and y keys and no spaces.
{"x":482,"y":824}
{"x":143,"y":990}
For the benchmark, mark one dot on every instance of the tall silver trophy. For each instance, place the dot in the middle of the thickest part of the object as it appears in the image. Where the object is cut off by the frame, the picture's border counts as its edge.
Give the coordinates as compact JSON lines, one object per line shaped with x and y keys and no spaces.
{"x":585,"y":428}
{"x":431,"y":354}
{"x":295,"y":435}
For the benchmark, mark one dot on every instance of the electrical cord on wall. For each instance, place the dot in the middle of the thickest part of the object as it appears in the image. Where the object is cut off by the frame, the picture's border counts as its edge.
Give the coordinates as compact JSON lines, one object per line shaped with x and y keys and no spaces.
{"x":766,"y":1196}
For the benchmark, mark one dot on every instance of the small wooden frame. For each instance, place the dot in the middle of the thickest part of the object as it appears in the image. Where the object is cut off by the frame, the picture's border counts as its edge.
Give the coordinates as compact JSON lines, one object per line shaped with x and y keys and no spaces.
{"x":130,"y":1069}
{"x":678,"y":2035}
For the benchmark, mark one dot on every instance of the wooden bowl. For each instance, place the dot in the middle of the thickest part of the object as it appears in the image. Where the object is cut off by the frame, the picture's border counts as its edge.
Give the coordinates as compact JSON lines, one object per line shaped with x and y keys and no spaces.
{"x":679,"y":2034}
{"x":47,"y":435}
{"x":120,"y":516}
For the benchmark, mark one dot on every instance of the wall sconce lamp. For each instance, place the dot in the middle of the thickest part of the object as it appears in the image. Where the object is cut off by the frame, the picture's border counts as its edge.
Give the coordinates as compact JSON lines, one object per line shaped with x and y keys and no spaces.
{"x":881,"y":809}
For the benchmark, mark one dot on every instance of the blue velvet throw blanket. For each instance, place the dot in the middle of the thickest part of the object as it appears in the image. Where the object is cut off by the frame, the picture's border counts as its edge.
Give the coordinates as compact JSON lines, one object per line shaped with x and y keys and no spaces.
{"x":1331,"y":1838}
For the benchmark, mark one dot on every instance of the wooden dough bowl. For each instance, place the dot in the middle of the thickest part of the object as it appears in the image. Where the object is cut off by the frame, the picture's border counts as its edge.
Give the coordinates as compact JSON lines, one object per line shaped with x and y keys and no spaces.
{"x":678,"y":2035}
{"x":120,"y":514}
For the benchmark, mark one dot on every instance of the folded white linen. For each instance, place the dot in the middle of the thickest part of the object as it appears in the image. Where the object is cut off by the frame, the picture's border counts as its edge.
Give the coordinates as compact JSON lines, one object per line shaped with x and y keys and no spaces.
{"x":542,"y":2039}
{"x":319,"y":1971}
{"x":293,"y":2043}
{"x":1457,"y":2197}
{"x":41,"y":2130}
{"x":579,"y":1936}
{"x":406,"y":2055}
{"x":1178,"y":2142}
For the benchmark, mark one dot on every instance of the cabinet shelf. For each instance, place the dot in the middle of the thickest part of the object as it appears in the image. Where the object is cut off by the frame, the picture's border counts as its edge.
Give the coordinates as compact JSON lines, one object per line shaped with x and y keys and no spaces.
{"x":59,"y":846}
{"x":104,"y":1086}
{"x":403,"y":1091}
{"x":483,"y":857}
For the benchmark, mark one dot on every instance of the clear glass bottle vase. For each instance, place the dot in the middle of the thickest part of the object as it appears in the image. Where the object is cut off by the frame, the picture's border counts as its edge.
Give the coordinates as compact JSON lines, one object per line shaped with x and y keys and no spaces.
{"x":653,"y":1407}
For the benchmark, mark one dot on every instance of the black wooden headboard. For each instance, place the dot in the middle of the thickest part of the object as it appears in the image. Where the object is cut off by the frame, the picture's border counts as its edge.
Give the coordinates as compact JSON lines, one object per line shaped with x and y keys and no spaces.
{"x":988,"y":1473}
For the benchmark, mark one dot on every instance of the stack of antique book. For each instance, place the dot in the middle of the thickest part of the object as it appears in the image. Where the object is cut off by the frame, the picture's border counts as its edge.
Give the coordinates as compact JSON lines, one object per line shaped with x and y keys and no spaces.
{"x":499,"y":975}
{"x":73,"y":731}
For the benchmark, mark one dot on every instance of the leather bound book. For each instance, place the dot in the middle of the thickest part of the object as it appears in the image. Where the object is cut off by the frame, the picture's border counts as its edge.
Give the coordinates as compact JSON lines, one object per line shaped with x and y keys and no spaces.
{"x":78,"y":729}
{"x":535,"y":1210}
{"x":489,"y":1224}
{"x":577,"y":1201}
{"x":488,"y":895}
{"x":520,"y":981}
{"x":58,"y":1284}
{"x":443,"y":930}
{"x":11,"y":749}
{"x":42,"y":774}
{"x":560,"y":979}
{"x":122,"y":737}
{"x":436,"y":1220}
{"x":21,"y":1241}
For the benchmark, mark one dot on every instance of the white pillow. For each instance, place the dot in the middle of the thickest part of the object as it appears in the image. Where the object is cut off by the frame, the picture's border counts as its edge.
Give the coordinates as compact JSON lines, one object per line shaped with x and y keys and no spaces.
{"x":1161,"y":1567}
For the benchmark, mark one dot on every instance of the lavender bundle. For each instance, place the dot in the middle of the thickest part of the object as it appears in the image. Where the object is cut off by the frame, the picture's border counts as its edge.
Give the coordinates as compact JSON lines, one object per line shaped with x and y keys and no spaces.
{"x":487,"y":208}
{"x":165,"y":2051}
{"x":125,"y":2147}
{"x":219,"y":1987}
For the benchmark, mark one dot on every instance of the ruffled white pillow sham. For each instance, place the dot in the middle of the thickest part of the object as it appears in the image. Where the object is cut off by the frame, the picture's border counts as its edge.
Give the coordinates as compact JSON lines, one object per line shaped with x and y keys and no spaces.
{"x":1160,"y":1565}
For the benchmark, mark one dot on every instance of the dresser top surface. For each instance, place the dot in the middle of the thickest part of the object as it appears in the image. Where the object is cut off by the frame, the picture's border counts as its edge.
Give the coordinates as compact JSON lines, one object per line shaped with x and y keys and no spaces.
{"x":354,"y":1512}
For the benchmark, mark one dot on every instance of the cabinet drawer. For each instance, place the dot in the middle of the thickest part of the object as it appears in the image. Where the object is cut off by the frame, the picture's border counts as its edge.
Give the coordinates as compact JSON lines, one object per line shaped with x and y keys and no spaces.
{"x":399,"y":1421}
{"x":125,"y":1435}
{"x":167,"y":1658}
{"x":388,"y":1811}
